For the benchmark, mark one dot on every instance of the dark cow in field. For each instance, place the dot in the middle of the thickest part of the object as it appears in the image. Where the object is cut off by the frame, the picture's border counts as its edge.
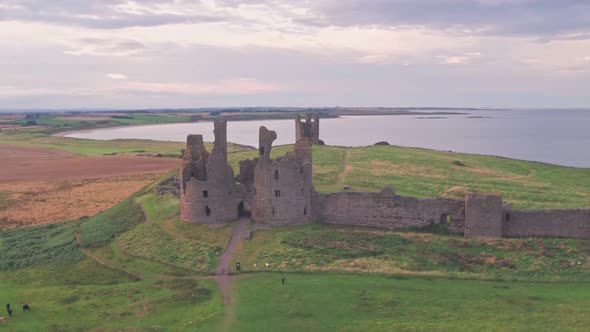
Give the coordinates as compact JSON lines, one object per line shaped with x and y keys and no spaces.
{"x":26,"y":307}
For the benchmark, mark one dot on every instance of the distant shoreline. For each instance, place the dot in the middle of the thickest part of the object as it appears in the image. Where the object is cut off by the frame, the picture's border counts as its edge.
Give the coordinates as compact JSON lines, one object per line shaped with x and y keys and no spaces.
{"x":383,"y":113}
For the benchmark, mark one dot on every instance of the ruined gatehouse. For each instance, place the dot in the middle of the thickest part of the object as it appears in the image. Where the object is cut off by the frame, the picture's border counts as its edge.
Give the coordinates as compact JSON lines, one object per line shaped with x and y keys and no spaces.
{"x":273,"y":191}
{"x":280,"y":192}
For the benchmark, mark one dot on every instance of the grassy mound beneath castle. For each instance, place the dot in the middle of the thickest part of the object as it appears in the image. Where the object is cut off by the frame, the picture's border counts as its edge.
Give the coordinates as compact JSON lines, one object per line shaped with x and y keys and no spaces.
{"x":167,"y":239}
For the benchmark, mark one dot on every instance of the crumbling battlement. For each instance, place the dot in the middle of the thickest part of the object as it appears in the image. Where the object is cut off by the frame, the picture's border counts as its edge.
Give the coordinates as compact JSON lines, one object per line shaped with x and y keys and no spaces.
{"x":283,"y":186}
{"x":209,"y":193}
{"x":310,"y":128}
{"x":280,"y":192}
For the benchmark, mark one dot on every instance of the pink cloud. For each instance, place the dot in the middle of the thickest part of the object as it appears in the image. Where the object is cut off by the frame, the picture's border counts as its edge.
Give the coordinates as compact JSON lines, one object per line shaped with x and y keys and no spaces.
{"x":240,"y":86}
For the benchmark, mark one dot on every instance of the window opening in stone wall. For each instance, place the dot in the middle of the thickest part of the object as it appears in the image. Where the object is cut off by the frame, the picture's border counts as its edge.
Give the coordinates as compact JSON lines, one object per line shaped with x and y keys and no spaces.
{"x":445,"y":219}
{"x":305,"y":210}
{"x":205,"y":193}
{"x":507,"y":216}
{"x":207,"y":211}
{"x":276,"y":174}
{"x":273,"y":211}
{"x":277,"y":193}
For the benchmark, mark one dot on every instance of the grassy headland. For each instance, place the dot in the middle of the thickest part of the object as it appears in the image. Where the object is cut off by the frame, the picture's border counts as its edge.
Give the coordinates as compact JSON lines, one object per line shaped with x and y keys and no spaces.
{"x":148,"y":266}
{"x":426,"y":173}
{"x":138,"y":267}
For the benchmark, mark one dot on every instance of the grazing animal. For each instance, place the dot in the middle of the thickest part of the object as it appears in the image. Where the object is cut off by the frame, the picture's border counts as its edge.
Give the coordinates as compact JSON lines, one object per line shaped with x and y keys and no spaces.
{"x":26,"y":307}
{"x":3,"y":320}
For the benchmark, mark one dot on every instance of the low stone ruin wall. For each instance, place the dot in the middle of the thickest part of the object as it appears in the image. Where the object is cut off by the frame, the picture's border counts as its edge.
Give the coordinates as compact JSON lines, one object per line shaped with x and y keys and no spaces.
{"x":390,"y":211}
{"x":547,"y":223}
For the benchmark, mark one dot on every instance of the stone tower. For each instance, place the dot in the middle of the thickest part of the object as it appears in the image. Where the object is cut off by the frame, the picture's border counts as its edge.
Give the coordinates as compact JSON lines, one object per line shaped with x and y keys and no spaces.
{"x":283,"y":186}
{"x":208,"y":193}
{"x":310,"y":128}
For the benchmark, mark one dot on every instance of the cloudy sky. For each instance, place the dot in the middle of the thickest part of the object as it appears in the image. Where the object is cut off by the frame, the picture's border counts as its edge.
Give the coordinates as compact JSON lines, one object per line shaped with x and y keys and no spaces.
{"x":190,"y":53}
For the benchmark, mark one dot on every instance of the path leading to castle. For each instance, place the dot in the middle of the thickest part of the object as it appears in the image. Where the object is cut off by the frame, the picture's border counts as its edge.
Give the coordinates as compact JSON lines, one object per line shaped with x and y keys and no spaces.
{"x":222,"y":276}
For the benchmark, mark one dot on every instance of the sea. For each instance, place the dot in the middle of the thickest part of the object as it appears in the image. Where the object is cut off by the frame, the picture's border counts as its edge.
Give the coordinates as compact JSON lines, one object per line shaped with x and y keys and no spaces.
{"x":560,"y":136}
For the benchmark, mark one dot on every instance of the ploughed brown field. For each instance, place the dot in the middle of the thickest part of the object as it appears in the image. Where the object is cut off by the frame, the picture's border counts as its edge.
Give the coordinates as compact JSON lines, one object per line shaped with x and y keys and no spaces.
{"x":39,"y":186}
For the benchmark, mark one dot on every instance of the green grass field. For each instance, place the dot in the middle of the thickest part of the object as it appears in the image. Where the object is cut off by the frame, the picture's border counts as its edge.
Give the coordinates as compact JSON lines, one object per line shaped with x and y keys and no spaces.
{"x":315,"y":248}
{"x":363,"y":279}
{"x":95,"y":147}
{"x":339,"y":302}
{"x":427,"y":173}
{"x":85,"y":296}
{"x":169,"y":240}
{"x":411,"y":171}
{"x":150,"y":269}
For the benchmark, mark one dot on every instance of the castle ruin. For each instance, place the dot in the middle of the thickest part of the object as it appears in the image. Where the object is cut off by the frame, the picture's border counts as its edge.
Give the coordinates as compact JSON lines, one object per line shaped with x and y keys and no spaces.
{"x":280,"y":192}
{"x":309,"y":128}
{"x":272,"y":191}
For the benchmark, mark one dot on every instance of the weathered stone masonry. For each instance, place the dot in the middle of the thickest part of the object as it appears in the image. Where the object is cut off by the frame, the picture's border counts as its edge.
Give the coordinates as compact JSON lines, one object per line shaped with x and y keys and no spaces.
{"x":208,"y":192}
{"x":274,"y":191}
{"x":486,"y":216}
{"x":388,"y":210}
{"x":280,"y":192}
{"x":310,"y":128}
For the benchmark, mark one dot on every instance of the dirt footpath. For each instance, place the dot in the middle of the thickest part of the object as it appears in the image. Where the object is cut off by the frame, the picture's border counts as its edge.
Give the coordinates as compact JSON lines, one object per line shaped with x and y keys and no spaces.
{"x":19,"y":164}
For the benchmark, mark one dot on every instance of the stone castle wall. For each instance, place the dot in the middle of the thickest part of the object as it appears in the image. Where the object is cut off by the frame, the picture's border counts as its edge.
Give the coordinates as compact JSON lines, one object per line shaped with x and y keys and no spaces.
{"x":483,"y":216}
{"x":487,"y":216}
{"x":387,"y":210}
{"x":280,"y":192}
{"x":547,"y":223}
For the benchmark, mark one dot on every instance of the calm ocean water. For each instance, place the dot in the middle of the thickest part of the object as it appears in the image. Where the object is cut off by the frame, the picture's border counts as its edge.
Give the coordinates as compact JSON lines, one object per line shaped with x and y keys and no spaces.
{"x":553,"y":136}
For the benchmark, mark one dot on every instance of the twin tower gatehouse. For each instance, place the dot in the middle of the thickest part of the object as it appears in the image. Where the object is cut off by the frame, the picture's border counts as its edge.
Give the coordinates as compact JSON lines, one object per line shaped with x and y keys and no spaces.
{"x":273,"y":191}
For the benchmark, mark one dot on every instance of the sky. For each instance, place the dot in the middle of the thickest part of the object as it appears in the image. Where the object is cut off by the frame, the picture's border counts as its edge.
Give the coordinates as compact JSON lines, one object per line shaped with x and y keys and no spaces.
{"x":230,"y":53}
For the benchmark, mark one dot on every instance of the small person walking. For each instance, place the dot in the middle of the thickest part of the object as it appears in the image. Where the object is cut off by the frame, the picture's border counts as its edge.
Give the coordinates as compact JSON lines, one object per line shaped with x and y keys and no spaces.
{"x":283,"y":279}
